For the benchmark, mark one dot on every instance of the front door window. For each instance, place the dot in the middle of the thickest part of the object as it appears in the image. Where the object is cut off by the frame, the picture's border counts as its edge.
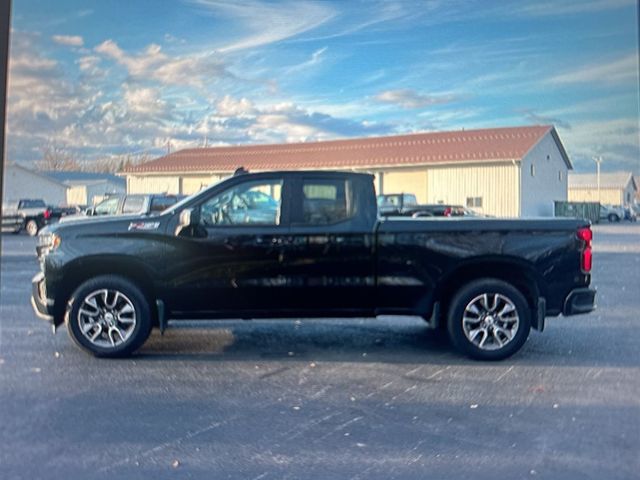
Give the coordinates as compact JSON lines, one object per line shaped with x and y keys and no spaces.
{"x":108,"y":207}
{"x":251,"y":203}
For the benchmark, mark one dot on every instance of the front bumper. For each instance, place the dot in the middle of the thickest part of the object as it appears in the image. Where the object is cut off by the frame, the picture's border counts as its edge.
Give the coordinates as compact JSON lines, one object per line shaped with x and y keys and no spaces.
{"x":580,"y":300}
{"x":42,"y":306}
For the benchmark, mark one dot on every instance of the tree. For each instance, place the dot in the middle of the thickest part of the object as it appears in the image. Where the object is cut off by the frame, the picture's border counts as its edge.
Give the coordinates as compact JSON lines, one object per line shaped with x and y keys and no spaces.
{"x":56,"y":158}
{"x":116,"y":164}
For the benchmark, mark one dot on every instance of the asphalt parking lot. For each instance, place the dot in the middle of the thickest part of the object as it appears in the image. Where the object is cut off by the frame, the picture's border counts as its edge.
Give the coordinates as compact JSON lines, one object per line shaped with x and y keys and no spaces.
{"x":327,"y":399}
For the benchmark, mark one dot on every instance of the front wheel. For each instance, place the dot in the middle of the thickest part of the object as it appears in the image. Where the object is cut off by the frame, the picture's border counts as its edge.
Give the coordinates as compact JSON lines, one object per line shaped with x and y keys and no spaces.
{"x":488,"y":319}
{"x":109,"y":316}
{"x":32,"y":227}
{"x":613,"y":218}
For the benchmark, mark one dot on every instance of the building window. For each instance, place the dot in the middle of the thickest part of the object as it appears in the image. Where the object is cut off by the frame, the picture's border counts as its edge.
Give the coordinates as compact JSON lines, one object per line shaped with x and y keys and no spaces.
{"x":474,"y":202}
{"x":533,"y":170}
{"x":560,"y":175}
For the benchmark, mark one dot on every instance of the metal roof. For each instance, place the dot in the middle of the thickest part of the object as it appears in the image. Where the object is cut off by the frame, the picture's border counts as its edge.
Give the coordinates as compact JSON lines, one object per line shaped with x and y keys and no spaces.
{"x":464,"y":146}
{"x":84,"y":178}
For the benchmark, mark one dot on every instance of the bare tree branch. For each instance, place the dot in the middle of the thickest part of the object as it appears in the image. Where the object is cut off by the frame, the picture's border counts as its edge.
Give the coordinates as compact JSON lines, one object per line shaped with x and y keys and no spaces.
{"x":57,"y":158}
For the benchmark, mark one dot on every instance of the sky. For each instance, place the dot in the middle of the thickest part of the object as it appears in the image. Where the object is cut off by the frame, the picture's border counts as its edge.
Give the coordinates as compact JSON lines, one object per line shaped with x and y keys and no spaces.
{"x":108,"y":79}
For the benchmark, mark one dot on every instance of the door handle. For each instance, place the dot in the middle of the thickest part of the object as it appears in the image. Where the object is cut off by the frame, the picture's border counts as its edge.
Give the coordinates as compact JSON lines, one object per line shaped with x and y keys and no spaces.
{"x":230,"y":243}
{"x":288,"y":240}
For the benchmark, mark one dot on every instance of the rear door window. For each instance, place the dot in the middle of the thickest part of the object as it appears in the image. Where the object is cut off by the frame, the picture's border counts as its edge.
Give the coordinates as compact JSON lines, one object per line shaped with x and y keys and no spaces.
{"x":325,"y":201}
{"x":158,"y":204}
{"x":133,"y":205}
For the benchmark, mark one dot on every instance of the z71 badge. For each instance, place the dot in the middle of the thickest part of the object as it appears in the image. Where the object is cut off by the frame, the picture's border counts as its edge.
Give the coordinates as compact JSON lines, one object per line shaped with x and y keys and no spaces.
{"x":144,"y":225}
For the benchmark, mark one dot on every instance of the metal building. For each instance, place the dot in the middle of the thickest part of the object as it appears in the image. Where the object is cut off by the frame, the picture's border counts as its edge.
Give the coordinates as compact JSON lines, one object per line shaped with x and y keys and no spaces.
{"x":509,"y":172}
{"x":616,"y":188}
{"x":88,"y":188}
{"x":20,"y":182}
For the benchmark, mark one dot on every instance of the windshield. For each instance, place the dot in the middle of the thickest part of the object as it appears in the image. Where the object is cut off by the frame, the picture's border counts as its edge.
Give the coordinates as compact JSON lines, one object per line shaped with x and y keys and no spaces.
{"x":32,"y":204}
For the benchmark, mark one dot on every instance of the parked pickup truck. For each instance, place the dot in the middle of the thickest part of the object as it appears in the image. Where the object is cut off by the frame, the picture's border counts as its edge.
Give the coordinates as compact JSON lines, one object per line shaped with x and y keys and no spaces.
{"x":31,"y":215}
{"x":406,"y":205}
{"x":133,"y":204}
{"x":612,"y":213}
{"x":309,"y":244}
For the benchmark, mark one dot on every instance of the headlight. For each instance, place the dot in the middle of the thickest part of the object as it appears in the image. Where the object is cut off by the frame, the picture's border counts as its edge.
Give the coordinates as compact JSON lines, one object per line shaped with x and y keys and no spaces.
{"x":48,"y":242}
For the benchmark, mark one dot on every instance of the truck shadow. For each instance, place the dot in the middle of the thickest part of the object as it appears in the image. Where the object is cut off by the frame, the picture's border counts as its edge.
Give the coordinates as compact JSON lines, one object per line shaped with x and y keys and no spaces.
{"x":360,"y":340}
{"x":345,"y":340}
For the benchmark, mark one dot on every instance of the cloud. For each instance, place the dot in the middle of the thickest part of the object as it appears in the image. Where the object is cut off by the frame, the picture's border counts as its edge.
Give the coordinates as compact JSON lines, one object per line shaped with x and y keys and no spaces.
{"x":88,"y":63}
{"x":621,"y":70}
{"x":265,"y":23}
{"x":287,"y":122}
{"x":411,"y":99}
{"x":145,"y":101}
{"x":616,"y":140}
{"x":230,"y":107}
{"x":194,"y":70}
{"x":41,"y":102}
{"x":378,"y":14}
{"x":533,"y":117}
{"x":553,"y":8}
{"x":68,"y":40}
{"x":25,"y":63}
{"x":97,"y":116}
{"x":89,"y":114}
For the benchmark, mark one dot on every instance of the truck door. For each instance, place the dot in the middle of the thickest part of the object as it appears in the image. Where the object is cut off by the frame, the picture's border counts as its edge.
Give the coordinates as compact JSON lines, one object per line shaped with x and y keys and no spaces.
{"x":232,"y":260}
{"x":328,"y":256}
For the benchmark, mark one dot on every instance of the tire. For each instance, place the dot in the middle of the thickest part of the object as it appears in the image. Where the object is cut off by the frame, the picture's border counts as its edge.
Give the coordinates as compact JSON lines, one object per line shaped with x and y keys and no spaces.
{"x":613,"y":218}
{"x":488,"y":334}
{"x":31,"y":227}
{"x":110,"y":325}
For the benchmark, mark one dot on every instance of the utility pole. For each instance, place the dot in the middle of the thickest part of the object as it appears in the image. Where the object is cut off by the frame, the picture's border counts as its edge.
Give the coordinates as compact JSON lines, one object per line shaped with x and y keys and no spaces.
{"x":598,"y":161}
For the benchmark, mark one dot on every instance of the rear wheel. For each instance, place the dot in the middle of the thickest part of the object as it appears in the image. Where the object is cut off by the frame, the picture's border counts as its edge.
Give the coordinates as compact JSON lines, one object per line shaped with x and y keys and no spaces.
{"x":488,"y":319}
{"x":109,"y":316}
{"x":613,"y":218}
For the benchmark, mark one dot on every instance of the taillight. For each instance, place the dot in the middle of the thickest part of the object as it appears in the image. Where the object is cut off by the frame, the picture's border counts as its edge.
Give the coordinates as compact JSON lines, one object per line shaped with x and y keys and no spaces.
{"x":447,"y":212}
{"x":47,"y":214}
{"x":586,"y":257}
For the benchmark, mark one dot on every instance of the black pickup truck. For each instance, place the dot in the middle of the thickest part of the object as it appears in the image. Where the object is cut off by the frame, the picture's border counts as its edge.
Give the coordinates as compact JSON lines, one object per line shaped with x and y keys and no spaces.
{"x":31,"y":215}
{"x":309,"y":244}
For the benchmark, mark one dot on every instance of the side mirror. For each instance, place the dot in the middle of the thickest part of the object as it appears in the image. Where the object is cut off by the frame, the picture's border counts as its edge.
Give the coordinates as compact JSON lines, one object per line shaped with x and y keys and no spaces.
{"x":187,"y":219}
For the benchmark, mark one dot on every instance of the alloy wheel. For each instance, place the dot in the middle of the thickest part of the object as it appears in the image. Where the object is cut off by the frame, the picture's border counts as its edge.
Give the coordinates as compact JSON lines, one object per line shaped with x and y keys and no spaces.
{"x":107,"y":318}
{"x":490,"y":321}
